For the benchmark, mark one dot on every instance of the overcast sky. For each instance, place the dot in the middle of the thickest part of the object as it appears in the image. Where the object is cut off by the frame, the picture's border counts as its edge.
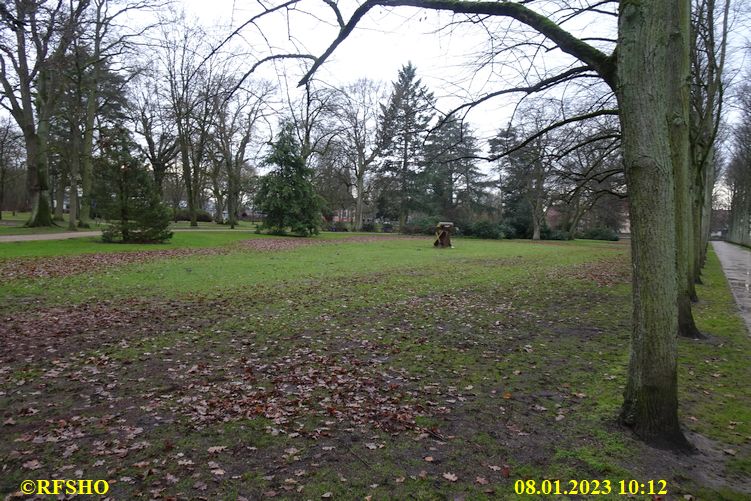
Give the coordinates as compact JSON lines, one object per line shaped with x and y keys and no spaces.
{"x":384,"y":41}
{"x":446,"y":59}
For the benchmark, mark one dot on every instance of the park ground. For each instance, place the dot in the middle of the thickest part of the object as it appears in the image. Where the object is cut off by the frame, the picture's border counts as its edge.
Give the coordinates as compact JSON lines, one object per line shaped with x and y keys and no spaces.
{"x":13,"y":224}
{"x":230,"y":365}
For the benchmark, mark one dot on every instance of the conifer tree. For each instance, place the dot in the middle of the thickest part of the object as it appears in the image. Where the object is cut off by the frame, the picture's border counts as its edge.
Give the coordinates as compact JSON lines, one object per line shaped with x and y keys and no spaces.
{"x":126,"y":196}
{"x":286,"y":195}
{"x":404,"y":122}
{"x":456,"y":188}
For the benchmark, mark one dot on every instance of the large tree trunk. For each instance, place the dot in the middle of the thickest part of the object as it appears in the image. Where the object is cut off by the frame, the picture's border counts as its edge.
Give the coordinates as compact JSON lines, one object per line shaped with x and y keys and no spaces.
{"x":535,"y":224}
{"x":678,"y":92}
{"x":160,"y":169}
{"x":650,"y":404}
{"x":38,"y":182}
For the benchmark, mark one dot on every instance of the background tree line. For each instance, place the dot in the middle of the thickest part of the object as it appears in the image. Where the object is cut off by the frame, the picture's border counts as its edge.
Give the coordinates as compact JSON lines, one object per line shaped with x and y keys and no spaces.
{"x":73,"y":74}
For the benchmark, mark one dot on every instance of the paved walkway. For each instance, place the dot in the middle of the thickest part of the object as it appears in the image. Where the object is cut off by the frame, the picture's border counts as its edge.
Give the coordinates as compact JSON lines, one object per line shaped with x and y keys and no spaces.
{"x":736,"y":263}
{"x":49,"y":236}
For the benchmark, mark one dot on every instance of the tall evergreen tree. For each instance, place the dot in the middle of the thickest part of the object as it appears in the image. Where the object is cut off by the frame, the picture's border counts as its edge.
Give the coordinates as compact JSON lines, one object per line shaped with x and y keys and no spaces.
{"x":126,"y":195}
{"x":404,"y":123}
{"x":286,"y":194}
{"x":523,"y":175}
{"x":456,"y":186}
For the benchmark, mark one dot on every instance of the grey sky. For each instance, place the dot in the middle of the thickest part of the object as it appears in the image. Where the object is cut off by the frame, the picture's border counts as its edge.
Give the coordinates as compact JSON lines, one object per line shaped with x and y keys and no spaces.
{"x":387,"y":39}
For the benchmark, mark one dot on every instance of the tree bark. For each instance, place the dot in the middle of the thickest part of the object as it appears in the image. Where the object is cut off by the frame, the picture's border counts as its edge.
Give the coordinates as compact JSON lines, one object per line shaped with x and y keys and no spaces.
{"x":678,"y":91}
{"x":360,"y":202}
{"x":86,"y":154}
{"x":62,"y":184}
{"x":650,"y":404}
{"x":75,"y":161}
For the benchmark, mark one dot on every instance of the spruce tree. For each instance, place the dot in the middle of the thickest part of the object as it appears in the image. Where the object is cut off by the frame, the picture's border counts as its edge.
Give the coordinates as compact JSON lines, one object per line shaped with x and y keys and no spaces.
{"x":126,"y":196}
{"x":457,"y":189}
{"x":286,"y":195}
{"x":404,"y":123}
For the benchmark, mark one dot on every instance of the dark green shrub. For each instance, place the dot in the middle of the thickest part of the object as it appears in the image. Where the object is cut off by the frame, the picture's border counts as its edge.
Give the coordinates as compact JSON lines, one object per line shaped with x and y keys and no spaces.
{"x":487,"y":230}
{"x":507,"y":230}
{"x":422,"y":226}
{"x":387,"y":227}
{"x":598,"y":234}
{"x":339,"y":226}
{"x":548,"y":234}
{"x":369,"y":226}
{"x":465,"y":229}
{"x":201,"y":215}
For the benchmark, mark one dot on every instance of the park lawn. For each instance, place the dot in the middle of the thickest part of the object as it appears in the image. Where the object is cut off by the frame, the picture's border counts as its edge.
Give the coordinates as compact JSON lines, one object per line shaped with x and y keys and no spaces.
{"x":379,"y":368}
{"x":92,"y":245}
{"x":13,"y":224}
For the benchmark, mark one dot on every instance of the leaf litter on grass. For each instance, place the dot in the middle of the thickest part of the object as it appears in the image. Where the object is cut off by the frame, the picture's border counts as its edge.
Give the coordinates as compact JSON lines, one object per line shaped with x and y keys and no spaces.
{"x":63,"y":266}
{"x":363,"y":394}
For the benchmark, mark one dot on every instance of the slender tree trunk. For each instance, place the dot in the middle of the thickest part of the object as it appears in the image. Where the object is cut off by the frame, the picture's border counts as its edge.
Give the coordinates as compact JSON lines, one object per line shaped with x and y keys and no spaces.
{"x":62,"y":184}
{"x":706,"y":213}
{"x":232,"y":196}
{"x":404,"y":198}
{"x":73,"y":212}
{"x":188,"y":179}
{"x":650,"y":404}
{"x":360,"y":202}
{"x":538,"y":213}
{"x":3,"y":173}
{"x":84,"y":218}
{"x":75,"y":160}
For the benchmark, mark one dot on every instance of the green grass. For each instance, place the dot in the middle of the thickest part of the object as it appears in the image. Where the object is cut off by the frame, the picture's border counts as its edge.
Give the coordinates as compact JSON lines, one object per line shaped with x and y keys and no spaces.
{"x":89,"y":245}
{"x":510,"y":354}
{"x":11,"y":224}
{"x":209,"y":275}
